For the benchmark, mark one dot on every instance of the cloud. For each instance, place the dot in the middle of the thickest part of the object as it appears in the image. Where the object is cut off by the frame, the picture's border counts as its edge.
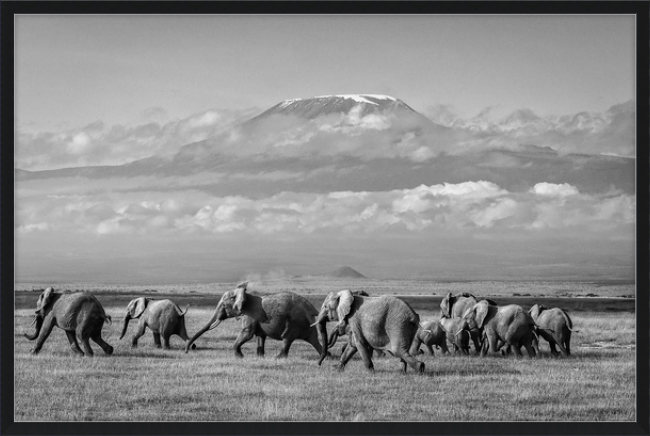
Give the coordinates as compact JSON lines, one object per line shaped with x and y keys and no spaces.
{"x":99,"y":144}
{"x":443,"y":208}
{"x":554,"y":190}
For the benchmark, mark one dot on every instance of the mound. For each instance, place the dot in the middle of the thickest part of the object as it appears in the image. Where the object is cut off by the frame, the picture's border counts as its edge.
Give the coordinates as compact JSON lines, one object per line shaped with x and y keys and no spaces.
{"x":347,"y":273}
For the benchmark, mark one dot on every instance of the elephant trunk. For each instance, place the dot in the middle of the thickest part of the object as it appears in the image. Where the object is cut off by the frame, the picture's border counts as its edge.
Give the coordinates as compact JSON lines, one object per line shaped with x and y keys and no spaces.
{"x":212,"y":324}
{"x":37,"y":329}
{"x":320,"y":324}
{"x":127,"y":318}
{"x":333,"y":338}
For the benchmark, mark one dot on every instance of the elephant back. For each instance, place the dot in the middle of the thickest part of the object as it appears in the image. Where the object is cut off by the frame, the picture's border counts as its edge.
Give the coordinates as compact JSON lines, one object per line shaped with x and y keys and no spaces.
{"x":72,"y":309}
{"x":288,"y":304}
{"x":553,"y":318}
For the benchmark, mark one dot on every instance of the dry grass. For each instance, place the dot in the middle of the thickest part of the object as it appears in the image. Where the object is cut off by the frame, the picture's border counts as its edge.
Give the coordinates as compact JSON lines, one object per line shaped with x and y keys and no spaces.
{"x":210,"y":384}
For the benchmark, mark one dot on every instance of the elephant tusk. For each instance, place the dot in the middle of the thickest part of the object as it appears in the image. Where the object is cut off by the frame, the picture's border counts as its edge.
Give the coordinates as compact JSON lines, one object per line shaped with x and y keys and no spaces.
{"x":459,"y":332}
{"x":427,"y":331}
{"x":214,"y":324}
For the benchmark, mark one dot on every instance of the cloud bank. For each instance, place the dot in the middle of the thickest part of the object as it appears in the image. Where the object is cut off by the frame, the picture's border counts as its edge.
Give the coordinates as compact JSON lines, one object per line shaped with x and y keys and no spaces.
{"x":371,"y":136}
{"x":463,"y":207}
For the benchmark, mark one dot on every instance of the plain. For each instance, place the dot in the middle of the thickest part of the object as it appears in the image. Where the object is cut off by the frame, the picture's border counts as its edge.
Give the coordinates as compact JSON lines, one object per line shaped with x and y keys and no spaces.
{"x":595,"y":383}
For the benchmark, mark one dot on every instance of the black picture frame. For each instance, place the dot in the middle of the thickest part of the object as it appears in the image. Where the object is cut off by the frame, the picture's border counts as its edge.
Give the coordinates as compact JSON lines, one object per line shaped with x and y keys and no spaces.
{"x":9,"y":9}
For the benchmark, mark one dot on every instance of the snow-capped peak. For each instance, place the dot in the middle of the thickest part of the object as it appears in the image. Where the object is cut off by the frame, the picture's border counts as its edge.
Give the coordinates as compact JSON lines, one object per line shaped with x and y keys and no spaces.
{"x":359,"y":98}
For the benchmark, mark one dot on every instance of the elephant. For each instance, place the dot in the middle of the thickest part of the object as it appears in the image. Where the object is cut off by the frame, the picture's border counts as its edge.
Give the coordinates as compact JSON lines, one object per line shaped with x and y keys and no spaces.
{"x":376,"y":323}
{"x":457,"y":337}
{"x":455,"y":306}
{"x":429,"y":334}
{"x":285,"y":316}
{"x":163,"y":317}
{"x":554,"y":325}
{"x":81,"y":315}
{"x":510,"y":324}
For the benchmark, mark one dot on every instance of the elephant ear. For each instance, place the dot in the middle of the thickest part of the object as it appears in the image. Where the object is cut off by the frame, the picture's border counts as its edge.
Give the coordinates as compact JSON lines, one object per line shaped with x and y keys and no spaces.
{"x":345,"y":304}
{"x":534,"y":311}
{"x":445,"y":305}
{"x":481,"y":310}
{"x":136,"y":307}
{"x":240,"y":296}
{"x":46,"y":298}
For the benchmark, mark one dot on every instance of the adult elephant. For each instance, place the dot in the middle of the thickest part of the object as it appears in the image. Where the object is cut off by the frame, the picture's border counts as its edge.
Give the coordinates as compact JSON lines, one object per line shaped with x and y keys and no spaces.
{"x":285,"y":316}
{"x":163,"y":317}
{"x":430,"y":334}
{"x":80,"y":315}
{"x":510,"y":324}
{"x":554,"y":325}
{"x":376,"y":323}
{"x":455,"y":306}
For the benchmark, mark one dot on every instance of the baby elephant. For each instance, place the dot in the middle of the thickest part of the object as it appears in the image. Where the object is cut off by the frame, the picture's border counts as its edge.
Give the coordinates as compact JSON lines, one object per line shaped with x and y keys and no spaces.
{"x":429,"y":334}
{"x":459,"y":339}
{"x":163,"y":317}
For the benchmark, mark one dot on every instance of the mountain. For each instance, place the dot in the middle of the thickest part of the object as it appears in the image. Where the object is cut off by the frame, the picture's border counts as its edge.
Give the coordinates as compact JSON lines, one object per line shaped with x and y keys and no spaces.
{"x":354,"y":106}
{"x":369,"y":142}
{"x":345,"y":272}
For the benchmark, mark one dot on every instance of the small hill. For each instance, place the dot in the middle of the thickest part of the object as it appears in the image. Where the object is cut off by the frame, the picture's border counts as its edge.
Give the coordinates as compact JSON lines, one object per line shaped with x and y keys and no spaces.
{"x":345,"y":272}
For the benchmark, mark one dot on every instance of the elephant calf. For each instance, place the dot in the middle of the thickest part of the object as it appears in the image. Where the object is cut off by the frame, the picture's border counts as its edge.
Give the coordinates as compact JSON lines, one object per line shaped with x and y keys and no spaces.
{"x":163,"y":317}
{"x":457,"y":337}
{"x":554,"y":325}
{"x":81,"y":315}
{"x":429,"y":334}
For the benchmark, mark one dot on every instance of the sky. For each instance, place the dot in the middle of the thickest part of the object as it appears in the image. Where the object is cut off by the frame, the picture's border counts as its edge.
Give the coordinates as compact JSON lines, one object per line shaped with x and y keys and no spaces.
{"x":511,"y":93}
{"x":75,"y":70}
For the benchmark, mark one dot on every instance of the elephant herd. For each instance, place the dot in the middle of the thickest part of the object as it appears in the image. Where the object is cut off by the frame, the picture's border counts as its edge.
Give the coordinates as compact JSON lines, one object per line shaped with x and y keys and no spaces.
{"x":371,"y":324}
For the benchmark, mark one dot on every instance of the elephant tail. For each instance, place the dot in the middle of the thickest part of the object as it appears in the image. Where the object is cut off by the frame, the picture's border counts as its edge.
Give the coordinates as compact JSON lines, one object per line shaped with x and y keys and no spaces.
{"x":569,"y":323}
{"x":181,"y":312}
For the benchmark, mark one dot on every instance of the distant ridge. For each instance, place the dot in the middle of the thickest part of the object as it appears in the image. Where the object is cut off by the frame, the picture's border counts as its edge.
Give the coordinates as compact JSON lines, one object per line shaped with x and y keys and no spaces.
{"x":347,"y":273}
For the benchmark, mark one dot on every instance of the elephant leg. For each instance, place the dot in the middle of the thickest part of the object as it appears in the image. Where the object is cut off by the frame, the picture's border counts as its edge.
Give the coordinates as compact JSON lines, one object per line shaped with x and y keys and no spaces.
{"x":346,"y":355}
{"x":365,"y":350}
{"x":515,"y":347}
{"x":182,"y":332}
{"x":74,"y":345}
{"x":85,"y":344}
{"x":166,"y":342}
{"x":429,"y":348}
{"x":561,"y":346}
{"x":139,"y":333}
{"x":403,"y":354}
{"x":476,"y":341}
{"x":244,"y":336}
{"x":46,"y":329}
{"x":286,"y":344}
{"x":260,"y":345}
{"x":312,"y":338}
{"x":530,"y":350}
{"x":554,"y":351}
{"x":567,"y":339}
{"x":97,"y":338}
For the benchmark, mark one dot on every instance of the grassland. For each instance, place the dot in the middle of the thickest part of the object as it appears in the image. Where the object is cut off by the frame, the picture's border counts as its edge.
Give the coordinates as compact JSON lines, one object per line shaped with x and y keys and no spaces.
{"x":596,"y":383}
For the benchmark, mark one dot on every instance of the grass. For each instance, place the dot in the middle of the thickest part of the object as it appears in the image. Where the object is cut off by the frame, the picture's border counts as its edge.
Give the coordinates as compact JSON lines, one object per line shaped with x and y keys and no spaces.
{"x":210,"y":384}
